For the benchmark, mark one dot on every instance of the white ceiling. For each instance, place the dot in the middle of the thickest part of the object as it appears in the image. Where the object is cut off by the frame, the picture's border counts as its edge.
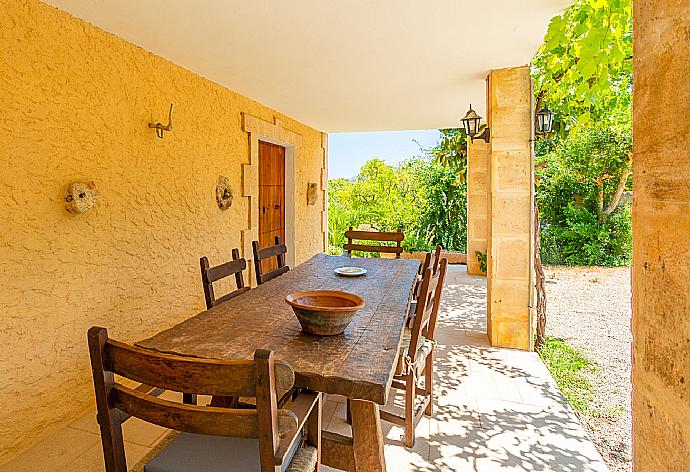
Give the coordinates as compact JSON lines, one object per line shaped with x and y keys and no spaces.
{"x":338,"y":65}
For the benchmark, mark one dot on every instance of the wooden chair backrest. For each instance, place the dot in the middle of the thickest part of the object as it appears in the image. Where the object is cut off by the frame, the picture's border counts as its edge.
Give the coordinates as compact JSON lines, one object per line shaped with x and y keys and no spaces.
{"x":430,"y":260}
{"x":378,"y":236}
{"x":428,"y":303}
{"x":213,"y":274}
{"x":435,"y":258}
{"x":261,"y":378}
{"x":260,"y":254}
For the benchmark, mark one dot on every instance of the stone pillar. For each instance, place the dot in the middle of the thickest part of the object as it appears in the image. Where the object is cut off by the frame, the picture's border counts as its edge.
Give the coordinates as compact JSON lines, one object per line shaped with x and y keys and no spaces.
{"x":511,"y":193}
{"x":477,"y":202}
{"x":661,"y":236}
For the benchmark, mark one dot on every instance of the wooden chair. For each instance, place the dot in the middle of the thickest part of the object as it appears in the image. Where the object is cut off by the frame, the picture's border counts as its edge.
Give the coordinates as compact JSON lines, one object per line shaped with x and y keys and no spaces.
{"x":378,"y":236}
{"x":278,"y":251}
{"x":432,"y":260}
{"x":213,"y":274}
{"x":265,"y":439}
{"x":430,"y":265}
{"x":416,"y":359}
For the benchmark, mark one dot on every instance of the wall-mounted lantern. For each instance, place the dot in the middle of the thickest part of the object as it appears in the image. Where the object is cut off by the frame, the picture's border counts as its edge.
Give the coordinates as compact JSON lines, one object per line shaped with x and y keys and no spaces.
{"x":471,"y":123}
{"x":544,"y":121}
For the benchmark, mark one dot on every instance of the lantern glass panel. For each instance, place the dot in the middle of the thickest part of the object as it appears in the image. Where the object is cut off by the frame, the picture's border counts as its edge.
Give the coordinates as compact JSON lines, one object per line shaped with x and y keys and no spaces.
{"x":471,"y":126}
{"x":540,"y":123}
{"x":544,"y":121}
{"x":471,"y":122}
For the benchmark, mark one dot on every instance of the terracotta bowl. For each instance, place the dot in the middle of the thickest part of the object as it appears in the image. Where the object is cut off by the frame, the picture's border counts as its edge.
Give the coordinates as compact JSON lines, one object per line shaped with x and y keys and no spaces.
{"x":324,"y":312}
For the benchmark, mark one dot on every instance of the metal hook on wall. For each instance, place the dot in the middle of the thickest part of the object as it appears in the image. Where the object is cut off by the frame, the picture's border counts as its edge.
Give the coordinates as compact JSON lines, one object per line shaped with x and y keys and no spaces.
{"x":159,"y":126}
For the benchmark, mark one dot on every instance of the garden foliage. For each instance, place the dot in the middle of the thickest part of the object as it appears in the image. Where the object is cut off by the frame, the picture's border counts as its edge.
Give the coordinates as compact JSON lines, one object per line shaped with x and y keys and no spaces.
{"x":421,"y":197}
{"x":581,"y":184}
{"x":583,"y":71}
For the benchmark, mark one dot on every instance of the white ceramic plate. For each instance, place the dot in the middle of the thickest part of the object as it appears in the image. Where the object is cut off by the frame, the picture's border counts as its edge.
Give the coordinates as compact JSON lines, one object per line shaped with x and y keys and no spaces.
{"x":350,"y":271}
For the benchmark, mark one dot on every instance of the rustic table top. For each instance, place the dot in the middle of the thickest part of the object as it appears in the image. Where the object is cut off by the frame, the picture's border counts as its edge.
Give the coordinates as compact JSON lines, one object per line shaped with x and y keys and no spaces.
{"x":358,"y":364}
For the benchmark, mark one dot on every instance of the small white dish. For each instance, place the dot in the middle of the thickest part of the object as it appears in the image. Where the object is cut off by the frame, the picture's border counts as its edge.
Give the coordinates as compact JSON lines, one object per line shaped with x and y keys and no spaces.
{"x":350,"y":271}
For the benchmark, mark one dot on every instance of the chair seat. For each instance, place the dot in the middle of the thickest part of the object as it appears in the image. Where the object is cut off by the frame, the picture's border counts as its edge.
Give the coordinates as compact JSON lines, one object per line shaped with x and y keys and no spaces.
{"x":424,"y":347}
{"x":201,"y":453}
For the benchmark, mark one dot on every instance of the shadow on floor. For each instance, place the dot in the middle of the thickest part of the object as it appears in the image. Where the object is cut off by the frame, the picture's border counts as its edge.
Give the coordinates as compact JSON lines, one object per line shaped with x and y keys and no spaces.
{"x":494,"y":409}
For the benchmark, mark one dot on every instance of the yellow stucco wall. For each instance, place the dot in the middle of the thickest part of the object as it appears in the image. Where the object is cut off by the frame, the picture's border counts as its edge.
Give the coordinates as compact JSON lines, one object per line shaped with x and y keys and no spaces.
{"x":661,"y":237}
{"x":74,"y":104}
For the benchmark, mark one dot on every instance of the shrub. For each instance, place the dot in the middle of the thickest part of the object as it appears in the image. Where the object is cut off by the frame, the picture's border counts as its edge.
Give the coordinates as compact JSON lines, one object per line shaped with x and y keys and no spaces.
{"x":579,"y":185}
{"x":444,"y":216}
{"x":422,"y":198}
{"x":584,"y":240}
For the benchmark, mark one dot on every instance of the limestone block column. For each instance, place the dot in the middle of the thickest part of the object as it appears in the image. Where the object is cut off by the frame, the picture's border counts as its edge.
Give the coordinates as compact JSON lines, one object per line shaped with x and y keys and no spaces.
{"x":511,"y":193}
{"x":477,"y":202}
{"x":661,"y":236}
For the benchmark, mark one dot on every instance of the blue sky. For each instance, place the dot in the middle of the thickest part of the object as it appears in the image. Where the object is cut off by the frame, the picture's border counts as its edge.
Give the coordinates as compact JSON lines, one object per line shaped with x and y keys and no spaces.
{"x":347,"y":152}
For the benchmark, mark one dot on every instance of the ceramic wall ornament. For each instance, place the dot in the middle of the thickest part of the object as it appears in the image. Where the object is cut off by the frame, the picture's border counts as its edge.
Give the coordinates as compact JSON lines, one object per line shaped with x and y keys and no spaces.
{"x":80,"y":197}
{"x":312,"y":193}
{"x":223,"y":193}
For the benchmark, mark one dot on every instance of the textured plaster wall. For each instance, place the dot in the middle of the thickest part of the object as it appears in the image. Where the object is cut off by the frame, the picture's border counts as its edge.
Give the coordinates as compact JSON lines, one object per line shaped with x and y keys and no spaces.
{"x":661,"y":236}
{"x":511,"y":193}
{"x":74,"y":104}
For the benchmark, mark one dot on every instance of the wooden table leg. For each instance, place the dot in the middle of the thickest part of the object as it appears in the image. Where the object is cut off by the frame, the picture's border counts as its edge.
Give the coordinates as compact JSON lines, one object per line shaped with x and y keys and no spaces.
{"x":367,"y":438}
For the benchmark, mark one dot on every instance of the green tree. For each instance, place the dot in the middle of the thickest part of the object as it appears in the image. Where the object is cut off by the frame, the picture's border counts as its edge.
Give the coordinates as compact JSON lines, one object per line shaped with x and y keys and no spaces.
{"x":444,"y":216}
{"x":451,"y":151}
{"x":583,"y":70}
{"x":581,"y":181}
{"x":421,"y":197}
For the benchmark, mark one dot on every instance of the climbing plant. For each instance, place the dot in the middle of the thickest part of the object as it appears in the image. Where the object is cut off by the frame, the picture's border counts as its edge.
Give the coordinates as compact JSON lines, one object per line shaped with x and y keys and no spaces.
{"x":583,"y":70}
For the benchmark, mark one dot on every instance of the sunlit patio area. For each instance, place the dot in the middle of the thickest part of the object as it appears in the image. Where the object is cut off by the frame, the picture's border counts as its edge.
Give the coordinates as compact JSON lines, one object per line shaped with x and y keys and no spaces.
{"x":494,"y":410}
{"x":150,"y":150}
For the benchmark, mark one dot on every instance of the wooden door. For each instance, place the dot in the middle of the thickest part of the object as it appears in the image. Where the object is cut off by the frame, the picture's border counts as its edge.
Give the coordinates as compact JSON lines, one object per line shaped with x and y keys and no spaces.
{"x":271,"y":197}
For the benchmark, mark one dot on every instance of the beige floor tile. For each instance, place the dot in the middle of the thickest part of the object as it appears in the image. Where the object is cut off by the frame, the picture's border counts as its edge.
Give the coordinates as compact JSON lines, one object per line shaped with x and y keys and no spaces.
{"x":478,"y":336}
{"x":337,"y":398}
{"x":538,"y":392}
{"x":86,"y":422}
{"x":393,"y":435}
{"x":140,"y":432}
{"x":338,"y":423}
{"x":501,"y":415}
{"x":177,"y":397}
{"x":327,"y":411}
{"x":486,"y":450}
{"x":92,"y":460}
{"x":133,"y":430}
{"x":54,"y":453}
{"x":458,"y":417}
{"x":399,"y":459}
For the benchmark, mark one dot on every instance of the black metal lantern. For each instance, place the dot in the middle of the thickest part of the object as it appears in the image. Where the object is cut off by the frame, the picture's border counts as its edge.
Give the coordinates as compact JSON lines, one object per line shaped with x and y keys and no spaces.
{"x":471,"y":123}
{"x":544,"y":121}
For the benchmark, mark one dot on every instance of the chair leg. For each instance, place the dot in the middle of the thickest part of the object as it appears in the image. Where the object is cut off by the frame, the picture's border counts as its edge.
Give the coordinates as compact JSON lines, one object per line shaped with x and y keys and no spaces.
{"x":314,"y":426}
{"x":348,"y":412}
{"x":429,"y":383}
{"x":410,"y":394}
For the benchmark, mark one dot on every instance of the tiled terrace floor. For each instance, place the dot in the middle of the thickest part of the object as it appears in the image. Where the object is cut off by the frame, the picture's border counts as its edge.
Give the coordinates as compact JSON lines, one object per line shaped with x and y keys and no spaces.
{"x":495,"y":410}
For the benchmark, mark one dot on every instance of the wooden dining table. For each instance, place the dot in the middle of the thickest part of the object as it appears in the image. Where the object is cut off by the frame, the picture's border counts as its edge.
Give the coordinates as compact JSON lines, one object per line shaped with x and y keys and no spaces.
{"x":358,"y":364}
